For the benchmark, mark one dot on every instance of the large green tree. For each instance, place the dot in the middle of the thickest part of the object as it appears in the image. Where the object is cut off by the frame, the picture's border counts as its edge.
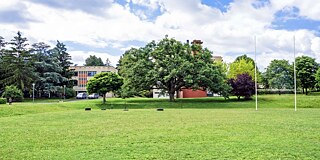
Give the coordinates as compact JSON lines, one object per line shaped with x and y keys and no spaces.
{"x":279,"y":74}
{"x":103,"y":83}
{"x":306,"y":68}
{"x":170,"y":65}
{"x":18,"y":64}
{"x":64,"y":61}
{"x":48,"y":69}
{"x":93,"y":60}
{"x":242,"y":86}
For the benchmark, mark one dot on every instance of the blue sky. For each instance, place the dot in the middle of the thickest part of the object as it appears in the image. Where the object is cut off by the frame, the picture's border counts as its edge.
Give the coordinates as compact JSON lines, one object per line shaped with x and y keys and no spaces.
{"x":107,"y":28}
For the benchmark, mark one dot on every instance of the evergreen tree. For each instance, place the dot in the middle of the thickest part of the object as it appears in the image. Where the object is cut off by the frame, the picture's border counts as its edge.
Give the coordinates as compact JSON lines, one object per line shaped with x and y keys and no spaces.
{"x":18,"y":64}
{"x":47,"y":69}
{"x":64,"y":61}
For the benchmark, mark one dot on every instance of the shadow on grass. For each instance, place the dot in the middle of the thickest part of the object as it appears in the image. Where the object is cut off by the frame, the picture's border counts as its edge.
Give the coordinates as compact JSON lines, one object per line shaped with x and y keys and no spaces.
{"x":196,"y":103}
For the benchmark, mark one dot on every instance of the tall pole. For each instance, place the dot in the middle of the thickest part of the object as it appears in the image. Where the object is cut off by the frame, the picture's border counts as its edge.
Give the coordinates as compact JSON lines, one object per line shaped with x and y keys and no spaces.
{"x":255,"y":70}
{"x":33,"y":92}
{"x":295,"y":75}
{"x":64,"y":92}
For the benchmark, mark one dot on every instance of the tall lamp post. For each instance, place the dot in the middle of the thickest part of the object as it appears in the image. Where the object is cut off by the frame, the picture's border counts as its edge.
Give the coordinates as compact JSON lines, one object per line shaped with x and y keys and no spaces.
{"x":64,"y":92}
{"x":33,"y":92}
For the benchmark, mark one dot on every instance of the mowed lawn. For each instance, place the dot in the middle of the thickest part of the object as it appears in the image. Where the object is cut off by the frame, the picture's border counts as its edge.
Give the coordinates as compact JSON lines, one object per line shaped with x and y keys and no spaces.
{"x":208,"y":128}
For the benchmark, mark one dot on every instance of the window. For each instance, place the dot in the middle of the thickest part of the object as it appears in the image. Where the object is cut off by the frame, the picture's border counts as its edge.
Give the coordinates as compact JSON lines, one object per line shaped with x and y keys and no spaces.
{"x":75,"y":73}
{"x":92,"y":73}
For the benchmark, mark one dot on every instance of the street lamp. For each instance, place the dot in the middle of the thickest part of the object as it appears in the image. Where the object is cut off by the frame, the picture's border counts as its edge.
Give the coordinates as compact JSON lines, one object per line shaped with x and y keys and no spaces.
{"x":64,"y":92}
{"x":33,"y":92}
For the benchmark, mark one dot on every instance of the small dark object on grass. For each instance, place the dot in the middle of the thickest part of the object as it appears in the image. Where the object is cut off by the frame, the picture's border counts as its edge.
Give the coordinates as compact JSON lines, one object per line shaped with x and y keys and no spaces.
{"x":160,"y":109}
{"x":87,"y":109}
{"x":103,"y":109}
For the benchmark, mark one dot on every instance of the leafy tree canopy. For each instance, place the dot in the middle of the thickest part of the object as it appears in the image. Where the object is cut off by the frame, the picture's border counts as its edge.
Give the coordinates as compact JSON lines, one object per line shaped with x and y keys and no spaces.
{"x":92,"y":60}
{"x":242,"y":86}
{"x":103,"y":83}
{"x":170,"y":65}
{"x":279,"y":74}
{"x":240,"y":67}
{"x":306,"y":68}
{"x":12,"y":92}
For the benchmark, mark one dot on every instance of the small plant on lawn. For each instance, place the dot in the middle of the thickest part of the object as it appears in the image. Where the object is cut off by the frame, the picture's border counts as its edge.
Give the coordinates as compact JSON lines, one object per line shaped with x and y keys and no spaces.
{"x":12,"y":92}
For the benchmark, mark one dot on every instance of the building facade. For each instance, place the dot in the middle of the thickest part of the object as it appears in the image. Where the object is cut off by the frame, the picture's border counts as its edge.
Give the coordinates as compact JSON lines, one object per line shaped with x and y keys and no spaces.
{"x":83,"y":73}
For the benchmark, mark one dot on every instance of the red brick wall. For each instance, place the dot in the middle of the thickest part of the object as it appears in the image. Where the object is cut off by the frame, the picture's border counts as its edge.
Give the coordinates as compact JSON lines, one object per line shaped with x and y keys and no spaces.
{"x":189,"y":93}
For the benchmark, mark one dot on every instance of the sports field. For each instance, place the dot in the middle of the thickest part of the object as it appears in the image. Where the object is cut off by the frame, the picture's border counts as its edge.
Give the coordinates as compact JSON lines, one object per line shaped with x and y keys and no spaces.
{"x":209,"y":128}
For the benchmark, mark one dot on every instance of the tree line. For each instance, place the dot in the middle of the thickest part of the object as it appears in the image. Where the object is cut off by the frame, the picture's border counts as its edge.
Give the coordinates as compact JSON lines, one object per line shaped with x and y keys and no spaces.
{"x":168,"y":64}
{"x":24,"y":65}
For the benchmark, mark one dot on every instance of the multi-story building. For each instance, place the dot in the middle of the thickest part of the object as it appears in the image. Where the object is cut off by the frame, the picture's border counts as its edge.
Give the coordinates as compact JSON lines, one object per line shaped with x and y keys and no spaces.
{"x":83,"y":73}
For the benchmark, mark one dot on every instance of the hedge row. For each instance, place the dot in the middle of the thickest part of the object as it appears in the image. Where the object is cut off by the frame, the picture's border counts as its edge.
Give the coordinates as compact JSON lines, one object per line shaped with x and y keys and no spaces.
{"x":262,"y":91}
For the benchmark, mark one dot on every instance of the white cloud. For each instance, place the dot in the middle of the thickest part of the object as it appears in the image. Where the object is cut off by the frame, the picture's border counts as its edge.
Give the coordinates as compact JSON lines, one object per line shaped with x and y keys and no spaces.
{"x":223,"y":33}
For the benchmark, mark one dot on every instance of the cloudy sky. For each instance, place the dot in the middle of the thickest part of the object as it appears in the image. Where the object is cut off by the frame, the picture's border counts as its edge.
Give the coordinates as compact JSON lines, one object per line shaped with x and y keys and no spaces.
{"x":107,"y":28}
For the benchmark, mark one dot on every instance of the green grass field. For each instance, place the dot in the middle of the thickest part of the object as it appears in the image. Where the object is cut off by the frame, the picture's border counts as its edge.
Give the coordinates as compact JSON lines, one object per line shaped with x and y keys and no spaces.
{"x":208,"y":128}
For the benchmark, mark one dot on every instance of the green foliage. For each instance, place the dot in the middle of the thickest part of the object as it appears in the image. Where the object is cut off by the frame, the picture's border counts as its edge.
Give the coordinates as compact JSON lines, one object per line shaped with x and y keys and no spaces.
{"x":243,"y":64}
{"x":317,"y":77}
{"x":280,"y":74}
{"x":70,"y":93}
{"x":18,"y":64}
{"x":12,"y":92}
{"x":48,"y":69}
{"x":21,"y":66}
{"x":92,"y":60}
{"x":169,"y":65}
{"x":240,"y":67}
{"x":306,"y":68}
{"x":64,"y":61}
{"x":104,"y":82}
{"x":246,"y":58}
{"x":3,"y":101}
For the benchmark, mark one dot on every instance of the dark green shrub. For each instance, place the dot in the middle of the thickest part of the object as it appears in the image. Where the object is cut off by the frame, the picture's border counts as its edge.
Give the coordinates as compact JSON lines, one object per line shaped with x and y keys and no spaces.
{"x":70,"y":93}
{"x":13,"y":92}
{"x":3,"y":101}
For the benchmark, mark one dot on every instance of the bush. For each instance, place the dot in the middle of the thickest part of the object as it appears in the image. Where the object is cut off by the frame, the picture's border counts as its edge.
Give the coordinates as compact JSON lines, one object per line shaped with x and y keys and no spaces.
{"x":3,"y":101}
{"x":70,"y":93}
{"x":13,"y":92}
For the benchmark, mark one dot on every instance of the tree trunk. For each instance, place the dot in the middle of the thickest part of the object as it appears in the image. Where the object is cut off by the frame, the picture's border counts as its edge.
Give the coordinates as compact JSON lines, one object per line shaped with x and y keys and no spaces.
{"x":177,"y":93}
{"x":306,"y":91}
{"x":104,"y":98}
{"x":279,"y":92}
{"x":238,"y":98}
{"x":171,"y":95}
{"x":302,"y":90}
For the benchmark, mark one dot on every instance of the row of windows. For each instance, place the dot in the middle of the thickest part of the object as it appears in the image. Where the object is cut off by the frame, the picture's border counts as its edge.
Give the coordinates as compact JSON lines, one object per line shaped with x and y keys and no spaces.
{"x":82,"y":85}
{"x":88,"y":73}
